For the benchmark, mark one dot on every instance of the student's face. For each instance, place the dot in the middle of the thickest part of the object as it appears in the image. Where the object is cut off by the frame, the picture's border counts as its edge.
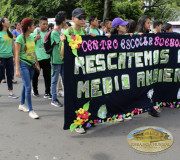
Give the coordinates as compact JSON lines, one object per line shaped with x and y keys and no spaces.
{"x":80,"y":21}
{"x":122,"y":29}
{"x":109,"y":25}
{"x":95,"y":22}
{"x":18,"y":26}
{"x":31,"y":28}
{"x":64,"y":23}
{"x":6,"y":23}
{"x":43,"y":25}
{"x":12,"y":29}
{"x":170,"y":30}
{"x":158,"y":28}
{"x":147,"y":24}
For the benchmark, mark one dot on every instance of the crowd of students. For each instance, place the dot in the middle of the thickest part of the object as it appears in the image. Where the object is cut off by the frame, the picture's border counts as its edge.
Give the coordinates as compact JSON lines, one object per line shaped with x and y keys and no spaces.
{"x":24,"y":44}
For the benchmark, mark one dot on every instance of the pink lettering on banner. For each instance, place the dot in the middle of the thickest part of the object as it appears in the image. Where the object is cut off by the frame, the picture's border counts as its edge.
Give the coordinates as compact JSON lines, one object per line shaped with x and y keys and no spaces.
{"x":167,"y":42}
{"x":109,"y":44}
{"x":177,"y":43}
{"x":161,"y":42}
{"x":156,"y":41}
{"x":115,"y":44}
{"x":172,"y":40}
{"x":83,"y":47}
{"x":95,"y":45}
{"x":103,"y":44}
{"x":89,"y":45}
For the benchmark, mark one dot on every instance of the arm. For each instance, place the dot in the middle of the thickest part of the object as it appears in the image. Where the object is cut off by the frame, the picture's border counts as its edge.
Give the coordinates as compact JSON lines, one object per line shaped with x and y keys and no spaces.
{"x":62,"y":38}
{"x":37,"y":64}
{"x":38,"y":36}
{"x":14,"y":39}
{"x":17,"y":52}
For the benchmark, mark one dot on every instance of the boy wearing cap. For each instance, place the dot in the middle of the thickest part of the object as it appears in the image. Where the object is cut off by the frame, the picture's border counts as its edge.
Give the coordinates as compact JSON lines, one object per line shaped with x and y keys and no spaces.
{"x":79,"y":18}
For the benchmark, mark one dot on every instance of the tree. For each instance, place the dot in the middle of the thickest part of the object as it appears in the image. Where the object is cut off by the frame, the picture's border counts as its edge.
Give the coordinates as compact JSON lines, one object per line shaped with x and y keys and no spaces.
{"x":127,"y":10}
{"x":16,"y":10}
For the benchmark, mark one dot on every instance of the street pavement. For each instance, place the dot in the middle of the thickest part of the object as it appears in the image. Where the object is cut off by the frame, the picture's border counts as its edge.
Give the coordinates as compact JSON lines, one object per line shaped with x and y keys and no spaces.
{"x":23,"y":138}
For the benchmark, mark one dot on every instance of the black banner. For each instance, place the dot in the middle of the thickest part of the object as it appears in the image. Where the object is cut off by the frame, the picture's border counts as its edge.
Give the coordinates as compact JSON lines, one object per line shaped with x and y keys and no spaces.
{"x":119,"y":76}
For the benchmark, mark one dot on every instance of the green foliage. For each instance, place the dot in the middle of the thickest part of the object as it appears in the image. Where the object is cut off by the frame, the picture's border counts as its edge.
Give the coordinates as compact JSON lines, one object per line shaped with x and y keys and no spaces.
{"x":170,"y":11}
{"x":16,"y":10}
{"x":93,"y":7}
{"x":127,"y":10}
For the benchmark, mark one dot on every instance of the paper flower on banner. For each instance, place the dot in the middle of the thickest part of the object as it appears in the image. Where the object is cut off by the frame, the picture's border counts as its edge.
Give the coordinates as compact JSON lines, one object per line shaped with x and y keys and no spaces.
{"x":150,"y":94}
{"x":75,"y":43}
{"x":82,"y":116}
{"x":102,"y":112}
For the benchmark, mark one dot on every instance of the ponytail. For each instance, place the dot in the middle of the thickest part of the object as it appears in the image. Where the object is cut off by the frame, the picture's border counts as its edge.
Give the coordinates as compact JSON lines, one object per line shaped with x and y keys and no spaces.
{"x":26,"y":22}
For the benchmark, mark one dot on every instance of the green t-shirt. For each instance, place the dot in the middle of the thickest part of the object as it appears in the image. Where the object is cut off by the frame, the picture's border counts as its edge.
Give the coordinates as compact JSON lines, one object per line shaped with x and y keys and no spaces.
{"x":96,"y":31}
{"x":56,"y":56}
{"x":66,"y":32}
{"x":39,"y":49}
{"x":29,"y":54}
{"x":6,"y":46}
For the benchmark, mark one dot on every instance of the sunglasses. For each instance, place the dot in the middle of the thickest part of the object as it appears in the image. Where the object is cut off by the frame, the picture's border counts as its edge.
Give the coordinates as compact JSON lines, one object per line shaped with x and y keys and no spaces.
{"x":82,"y":17}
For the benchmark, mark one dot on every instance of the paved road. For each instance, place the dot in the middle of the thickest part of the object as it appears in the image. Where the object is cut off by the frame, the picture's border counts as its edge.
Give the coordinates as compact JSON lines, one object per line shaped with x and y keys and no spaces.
{"x":22,"y":138}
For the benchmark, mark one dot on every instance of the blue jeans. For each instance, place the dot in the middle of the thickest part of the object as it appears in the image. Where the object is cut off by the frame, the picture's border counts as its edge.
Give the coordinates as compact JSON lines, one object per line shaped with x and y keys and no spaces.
{"x":7,"y":63}
{"x":27,"y":73}
{"x":56,"y":70}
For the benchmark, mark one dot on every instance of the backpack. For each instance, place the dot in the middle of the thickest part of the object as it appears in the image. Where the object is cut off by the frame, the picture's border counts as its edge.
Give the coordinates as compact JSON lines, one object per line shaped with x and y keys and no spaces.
{"x":95,"y":28}
{"x":71,"y":32}
{"x":47,"y":42}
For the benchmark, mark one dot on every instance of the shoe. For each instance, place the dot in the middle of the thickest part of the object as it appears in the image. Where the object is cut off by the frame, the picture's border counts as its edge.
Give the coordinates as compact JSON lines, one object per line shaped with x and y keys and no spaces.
{"x":3,"y":81}
{"x":56,"y":103}
{"x":61,"y":93}
{"x":33,"y":115}
{"x":47,"y":95}
{"x":154,"y":113}
{"x":119,"y":120}
{"x":80,"y":130}
{"x":14,"y":82}
{"x":128,"y":118}
{"x":13,"y":96}
{"x":23,"y":108}
{"x":35,"y":94}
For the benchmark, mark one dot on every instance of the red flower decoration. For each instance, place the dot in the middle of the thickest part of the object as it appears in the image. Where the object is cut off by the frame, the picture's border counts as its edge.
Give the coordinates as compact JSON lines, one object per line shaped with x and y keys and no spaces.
{"x":79,"y":46}
{"x":73,"y":37}
{"x":96,"y":121}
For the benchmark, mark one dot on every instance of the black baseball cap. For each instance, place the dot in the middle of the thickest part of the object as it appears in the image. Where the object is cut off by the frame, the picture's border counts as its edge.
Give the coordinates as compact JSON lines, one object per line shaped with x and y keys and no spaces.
{"x":77,"y":12}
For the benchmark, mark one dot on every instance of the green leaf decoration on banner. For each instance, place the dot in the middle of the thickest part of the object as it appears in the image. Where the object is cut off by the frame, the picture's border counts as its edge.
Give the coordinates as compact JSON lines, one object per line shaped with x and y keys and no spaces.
{"x":69,"y":38}
{"x":114,"y":117}
{"x":73,"y":127}
{"x":86,"y":106}
{"x":79,"y":61}
{"x":74,"y":51}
